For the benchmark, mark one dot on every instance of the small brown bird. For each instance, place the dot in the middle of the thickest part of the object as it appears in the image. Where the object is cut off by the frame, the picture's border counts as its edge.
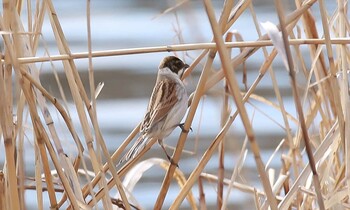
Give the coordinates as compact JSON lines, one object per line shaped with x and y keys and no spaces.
{"x":166,"y":108}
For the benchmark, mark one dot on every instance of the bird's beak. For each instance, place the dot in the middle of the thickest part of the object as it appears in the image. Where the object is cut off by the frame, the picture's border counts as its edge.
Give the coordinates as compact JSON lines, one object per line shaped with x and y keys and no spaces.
{"x":183,"y":70}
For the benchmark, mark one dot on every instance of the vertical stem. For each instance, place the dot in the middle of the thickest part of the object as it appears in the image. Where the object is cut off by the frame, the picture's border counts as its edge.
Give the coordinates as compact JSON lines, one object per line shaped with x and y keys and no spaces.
{"x":2,"y":191}
{"x":202,"y":202}
{"x":194,"y":104}
{"x":233,"y":84}
{"x":298,"y":104}
{"x":345,"y":89}
{"x":7,"y":131}
{"x":6,"y":121}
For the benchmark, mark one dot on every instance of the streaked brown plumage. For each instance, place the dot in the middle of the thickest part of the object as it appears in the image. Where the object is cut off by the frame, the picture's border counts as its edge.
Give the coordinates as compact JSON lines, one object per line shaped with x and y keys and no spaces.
{"x":167,"y":106}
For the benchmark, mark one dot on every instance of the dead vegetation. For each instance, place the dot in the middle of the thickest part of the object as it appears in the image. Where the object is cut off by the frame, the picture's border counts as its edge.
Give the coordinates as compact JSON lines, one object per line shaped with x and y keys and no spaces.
{"x":314,"y":171}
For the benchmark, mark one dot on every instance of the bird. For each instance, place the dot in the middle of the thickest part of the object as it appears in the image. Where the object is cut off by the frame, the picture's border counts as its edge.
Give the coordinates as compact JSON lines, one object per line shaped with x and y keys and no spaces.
{"x":166,"y":108}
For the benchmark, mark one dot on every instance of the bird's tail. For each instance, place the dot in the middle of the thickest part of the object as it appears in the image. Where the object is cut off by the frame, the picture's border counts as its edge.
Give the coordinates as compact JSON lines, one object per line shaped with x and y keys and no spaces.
{"x":138,"y":146}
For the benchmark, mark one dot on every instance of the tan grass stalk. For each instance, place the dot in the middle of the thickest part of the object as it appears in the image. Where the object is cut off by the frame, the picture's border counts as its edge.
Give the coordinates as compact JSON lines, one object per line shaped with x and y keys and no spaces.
{"x":232,"y":81}
{"x":278,"y":96}
{"x":333,"y":70}
{"x":78,"y":92}
{"x":263,"y":69}
{"x":173,"y":48}
{"x":183,"y":136}
{"x":241,"y":6}
{"x":298,"y":106}
{"x":193,"y":107}
{"x":232,"y":182}
{"x":3,"y":191}
{"x":38,"y":179}
{"x":332,"y":137}
{"x":114,"y":157}
{"x":256,"y":200}
{"x":344,"y":84}
{"x":7,"y":129}
{"x":43,"y":152}
{"x":38,"y":23}
{"x":212,"y":148}
{"x":225,"y":113}
{"x":21,"y":169}
{"x":6,"y":122}
{"x":202,"y":202}
{"x":311,"y":32}
{"x":325,"y":99}
{"x":221,"y":150}
{"x":66,"y":164}
{"x":19,"y":134}
{"x":239,"y":186}
{"x":248,"y":51}
{"x":117,"y":153}
{"x":106,"y":202}
{"x":122,"y":171}
{"x":198,"y":170}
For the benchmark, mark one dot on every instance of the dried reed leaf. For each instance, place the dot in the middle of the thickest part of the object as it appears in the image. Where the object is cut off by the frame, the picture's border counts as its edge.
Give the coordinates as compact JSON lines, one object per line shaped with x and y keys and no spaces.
{"x":276,"y":38}
{"x":332,"y":137}
{"x":135,"y":174}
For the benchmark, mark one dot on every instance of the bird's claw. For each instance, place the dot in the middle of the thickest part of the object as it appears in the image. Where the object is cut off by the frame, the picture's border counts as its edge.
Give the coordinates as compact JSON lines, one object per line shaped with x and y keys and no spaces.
{"x":172,"y":162}
{"x":181,"y":125}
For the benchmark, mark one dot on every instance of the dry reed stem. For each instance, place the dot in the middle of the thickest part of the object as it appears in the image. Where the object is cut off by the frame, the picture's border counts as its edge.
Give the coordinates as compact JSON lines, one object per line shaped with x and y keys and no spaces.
{"x":174,"y":48}
{"x":324,"y":96}
{"x":225,"y":110}
{"x":63,"y":156}
{"x":247,"y":95}
{"x":276,"y":89}
{"x":232,"y":118}
{"x":106,"y":203}
{"x":225,"y":113}
{"x":297,"y":102}
{"x":198,"y":170}
{"x":72,"y":78}
{"x":123,"y":170}
{"x":202,"y":202}
{"x":7,"y":128}
{"x":334,"y":84}
{"x":248,"y":51}
{"x":344,"y":87}
{"x":183,"y":136}
{"x":194,"y":103}
{"x":311,"y":32}
{"x":264,"y":68}
{"x":332,"y":137}
{"x":64,"y":161}
{"x":76,"y":84}
{"x":232,"y":183}
{"x":242,"y":187}
{"x":39,"y":20}
{"x":233,"y":84}
{"x":3,"y":203}
{"x":114,"y":157}
{"x":101,"y":141}
{"x":130,"y":137}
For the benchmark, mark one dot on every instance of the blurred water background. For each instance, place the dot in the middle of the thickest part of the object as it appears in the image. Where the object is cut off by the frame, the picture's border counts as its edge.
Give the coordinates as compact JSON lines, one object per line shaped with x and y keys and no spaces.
{"x":129,"y":79}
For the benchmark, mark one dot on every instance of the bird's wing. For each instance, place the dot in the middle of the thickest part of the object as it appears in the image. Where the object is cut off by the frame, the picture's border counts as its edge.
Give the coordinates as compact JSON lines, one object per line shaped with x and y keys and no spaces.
{"x":162,"y":100}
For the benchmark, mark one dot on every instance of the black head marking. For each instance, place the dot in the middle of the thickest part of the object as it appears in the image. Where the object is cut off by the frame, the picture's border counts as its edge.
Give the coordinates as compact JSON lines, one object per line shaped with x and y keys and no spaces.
{"x":174,"y":64}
